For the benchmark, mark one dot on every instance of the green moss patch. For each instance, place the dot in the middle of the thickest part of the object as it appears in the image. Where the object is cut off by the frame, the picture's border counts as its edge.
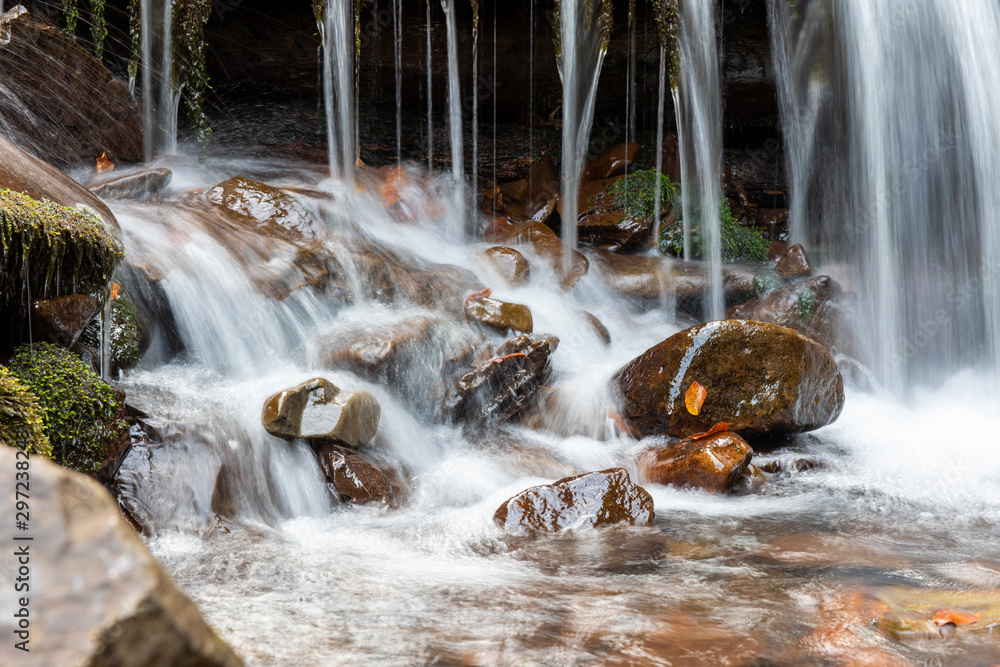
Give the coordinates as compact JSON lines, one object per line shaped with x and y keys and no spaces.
{"x":739,"y":243}
{"x":80,"y":412}
{"x":21,"y":417}
{"x":636,"y":194}
{"x":56,"y":250}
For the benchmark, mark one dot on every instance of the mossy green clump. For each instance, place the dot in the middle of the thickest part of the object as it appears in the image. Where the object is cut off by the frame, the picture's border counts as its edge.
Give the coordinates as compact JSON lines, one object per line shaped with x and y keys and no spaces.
{"x":21,"y":417}
{"x":765,"y":284}
{"x":56,"y":250}
{"x":80,"y":412}
{"x":668,"y":24}
{"x":127,"y":339}
{"x":190,"y":18}
{"x":739,"y":243}
{"x":807,"y":304}
{"x":636,"y":194}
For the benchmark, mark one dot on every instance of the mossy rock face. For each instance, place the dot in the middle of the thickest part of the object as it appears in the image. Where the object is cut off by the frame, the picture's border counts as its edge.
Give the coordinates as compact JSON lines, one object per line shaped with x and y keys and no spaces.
{"x":80,"y":412}
{"x":21,"y":417}
{"x":54,"y":249}
{"x":128,"y":341}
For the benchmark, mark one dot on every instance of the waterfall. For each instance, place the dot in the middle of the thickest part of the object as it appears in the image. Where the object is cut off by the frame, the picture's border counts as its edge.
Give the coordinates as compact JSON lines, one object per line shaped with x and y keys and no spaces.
{"x":698,"y":105}
{"x":455,"y":118}
{"x":892,"y":131}
{"x":337,"y":34}
{"x":160,"y":95}
{"x":583,"y":33}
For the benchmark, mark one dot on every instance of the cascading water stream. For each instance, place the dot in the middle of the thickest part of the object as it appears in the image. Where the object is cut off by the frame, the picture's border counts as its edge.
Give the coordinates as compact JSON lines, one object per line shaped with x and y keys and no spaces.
{"x":455,"y":118}
{"x":893,"y":153}
{"x":475,"y":92}
{"x":698,"y":107}
{"x":336,"y":28}
{"x":583,"y":33}
{"x":430,"y":92}
{"x":160,"y":95}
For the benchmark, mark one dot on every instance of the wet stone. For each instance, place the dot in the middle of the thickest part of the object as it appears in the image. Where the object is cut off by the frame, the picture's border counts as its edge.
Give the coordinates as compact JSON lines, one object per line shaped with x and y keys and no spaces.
{"x":509,"y":263}
{"x":585,"y":501}
{"x":62,"y":320}
{"x":267,"y":205}
{"x":760,"y":378}
{"x":499,"y":314}
{"x":715,"y":463}
{"x":320,"y":413}
{"x":794,"y":263}
{"x":358,"y":480}
{"x":812,"y":307}
{"x":502,"y":383}
{"x":138,"y":185}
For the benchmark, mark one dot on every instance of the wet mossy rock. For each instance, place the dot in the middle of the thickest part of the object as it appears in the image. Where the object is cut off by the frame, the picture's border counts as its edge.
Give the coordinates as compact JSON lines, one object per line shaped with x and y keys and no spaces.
{"x":761,"y":378}
{"x":321,"y":413}
{"x":56,"y":250}
{"x":80,"y":412}
{"x":585,"y":501}
{"x":21,"y":417}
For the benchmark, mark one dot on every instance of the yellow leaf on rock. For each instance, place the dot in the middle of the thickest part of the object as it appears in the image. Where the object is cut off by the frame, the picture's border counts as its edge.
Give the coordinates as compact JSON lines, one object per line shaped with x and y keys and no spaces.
{"x":695,"y":398}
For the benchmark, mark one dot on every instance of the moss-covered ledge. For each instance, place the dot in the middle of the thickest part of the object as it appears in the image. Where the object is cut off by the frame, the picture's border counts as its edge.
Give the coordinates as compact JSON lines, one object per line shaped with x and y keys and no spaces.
{"x":56,"y":250}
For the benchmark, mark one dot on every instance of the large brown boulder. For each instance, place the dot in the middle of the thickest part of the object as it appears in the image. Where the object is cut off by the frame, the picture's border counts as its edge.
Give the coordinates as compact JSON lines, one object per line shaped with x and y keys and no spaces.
{"x":266,"y":205}
{"x":760,"y":378}
{"x":812,"y":307}
{"x":20,"y":172}
{"x":94,"y":595}
{"x":549,"y":247}
{"x":58,"y":101}
{"x":713,"y":462}
{"x":586,"y":501}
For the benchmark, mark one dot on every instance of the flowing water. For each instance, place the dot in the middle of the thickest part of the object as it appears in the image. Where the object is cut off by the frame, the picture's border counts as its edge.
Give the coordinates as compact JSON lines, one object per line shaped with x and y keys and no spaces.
{"x":455,"y":126}
{"x":698,"y":105}
{"x":893,"y":150}
{"x":583,"y":32}
{"x":161,"y":98}
{"x":336,"y":31}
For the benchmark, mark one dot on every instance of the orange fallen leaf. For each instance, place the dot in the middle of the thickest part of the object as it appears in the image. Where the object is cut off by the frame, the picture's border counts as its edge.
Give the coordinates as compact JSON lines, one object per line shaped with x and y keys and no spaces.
{"x":945,"y":616}
{"x":694,"y":398}
{"x":482,"y":294}
{"x":718,"y":428}
{"x":104,"y":164}
{"x":115,"y":290}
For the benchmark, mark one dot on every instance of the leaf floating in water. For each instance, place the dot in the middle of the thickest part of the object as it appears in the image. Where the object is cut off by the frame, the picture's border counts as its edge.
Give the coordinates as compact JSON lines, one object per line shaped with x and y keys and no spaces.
{"x":482,"y":294}
{"x":695,"y":398}
{"x":718,"y":428}
{"x":959,"y":618}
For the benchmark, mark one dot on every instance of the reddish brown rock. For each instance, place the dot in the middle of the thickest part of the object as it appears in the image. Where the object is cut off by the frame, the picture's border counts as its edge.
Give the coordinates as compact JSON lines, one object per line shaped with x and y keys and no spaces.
{"x":502,"y":385}
{"x":761,"y":378}
{"x":614,"y":161}
{"x":382,"y":354}
{"x":268,"y":206}
{"x":63,"y":319}
{"x":62,"y":104}
{"x":811,"y":307}
{"x":499,"y":314}
{"x":358,"y":480}
{"x":794,"y":263}
{"x":549,"y":247}
{"x":714,"y":463}
{"x":509,"y":263}
{"x":595,"y":499}
{"x":598,"y":326}
{"x":613,"y":228}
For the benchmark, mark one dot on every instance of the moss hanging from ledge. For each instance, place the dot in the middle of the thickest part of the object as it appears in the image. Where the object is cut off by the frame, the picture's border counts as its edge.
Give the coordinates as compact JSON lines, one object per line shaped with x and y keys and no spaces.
{"x":80,"y":412}
{"x":72,"y":15}
{"x":53,"y":249}
{"x":135,"y":35}
{"x":668,"y":25}
{"x":98,"y":27}
{"x":21,"y":423}
{"x":607,"y":22}
{"x":190,"y":17}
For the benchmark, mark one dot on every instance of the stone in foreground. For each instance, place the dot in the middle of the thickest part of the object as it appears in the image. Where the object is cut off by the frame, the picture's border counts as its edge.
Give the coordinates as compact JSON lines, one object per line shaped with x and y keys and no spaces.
{"x":713,"y":463}
{"x":320,"y":413}
{"x":97,"y":597}
{"x":761,"y":379}
{"x":595,"y":499}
